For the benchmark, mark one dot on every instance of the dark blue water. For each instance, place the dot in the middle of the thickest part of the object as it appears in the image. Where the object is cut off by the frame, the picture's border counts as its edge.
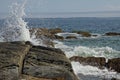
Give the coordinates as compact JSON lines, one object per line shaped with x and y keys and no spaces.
{"x":108,"y":47}
{"x":94,"y":25}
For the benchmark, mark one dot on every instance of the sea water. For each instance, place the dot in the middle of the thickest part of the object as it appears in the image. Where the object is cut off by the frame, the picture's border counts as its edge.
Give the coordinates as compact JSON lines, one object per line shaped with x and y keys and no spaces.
{"x":15,"y":28}
{"x":98,"y":46}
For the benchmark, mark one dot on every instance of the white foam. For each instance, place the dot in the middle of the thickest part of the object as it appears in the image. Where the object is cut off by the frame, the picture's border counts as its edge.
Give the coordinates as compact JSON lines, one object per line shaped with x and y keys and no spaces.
{"x":106,"y":52}
{"x":78,"y":68}
{"x":36,"y":41}
{"x":15,"y":28}
{"x":84,"y":51}
{"x":67,"y":34}
{"x":94,"y":71}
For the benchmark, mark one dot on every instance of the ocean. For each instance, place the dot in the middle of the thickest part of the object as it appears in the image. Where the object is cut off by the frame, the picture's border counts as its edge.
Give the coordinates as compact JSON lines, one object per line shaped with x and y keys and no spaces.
{"x":99,"y":46}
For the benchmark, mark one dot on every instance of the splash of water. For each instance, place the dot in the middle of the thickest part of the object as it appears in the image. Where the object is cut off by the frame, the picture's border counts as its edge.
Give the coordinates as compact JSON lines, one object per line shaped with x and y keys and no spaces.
{"x":93,"y":73}
{"x":87,"y":72}
{"x":15,"y":28}
{"x":85,"y":51}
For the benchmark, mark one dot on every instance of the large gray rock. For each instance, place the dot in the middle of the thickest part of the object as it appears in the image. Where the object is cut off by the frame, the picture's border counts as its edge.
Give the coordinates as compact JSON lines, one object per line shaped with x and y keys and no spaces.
{"x":11,"y":59}
{"x":35,"y":62}
{"x":48,"y":63}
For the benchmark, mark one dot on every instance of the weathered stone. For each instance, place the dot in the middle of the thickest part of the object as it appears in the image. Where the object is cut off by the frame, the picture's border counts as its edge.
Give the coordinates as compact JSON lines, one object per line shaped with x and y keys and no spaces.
{"x":11,"y":59}
{"x":55,"y":31}
{"x":35,"y":62}
{"x":71,"y":37}
{"x":48,"y":63}
{"x":83,"y":33}
{"x":44,"y":35}
{"x":28,"y":77}
{"x":93,"y":61}
{"x":112,"y":34}
{"x":114,"y":64}
{"x":59,"y":37}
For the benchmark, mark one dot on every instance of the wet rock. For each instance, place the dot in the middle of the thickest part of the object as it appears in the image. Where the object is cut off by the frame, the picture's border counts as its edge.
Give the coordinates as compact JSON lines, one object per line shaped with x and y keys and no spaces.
{"x":112,"y":34}
{"x":48,"y":63}
{"x":59,"y":37}
{"x":12,"y":55}
{"x":38,"y":32}
{"x":71,"y":37}
{"x":55,"y":31}
{"x":93,"y":61}
{"x":114,"y":79}
{"x":83,"y":33}
{"x":44,"y":35}
{"x":114,"y":64}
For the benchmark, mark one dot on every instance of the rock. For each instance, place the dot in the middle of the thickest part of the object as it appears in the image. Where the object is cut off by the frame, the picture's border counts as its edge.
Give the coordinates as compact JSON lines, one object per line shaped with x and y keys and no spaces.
{"x":40,"y":32}
{"x":44,"y":35}
{"x":50,"y":63}
{"x":83,"y":33}
{"x":93,"y":61}
{"x":71,"y":37}
{"x":114,"y":79}
{"x":11,"y":59}
{"x":112,"y":34}
{"x":59,"y":37}
{"x":114,"y":64}
{"x":55,"y":31}
{"x":94,"y":35}
{"x":33,"y":62}
{"x":27,"y":77}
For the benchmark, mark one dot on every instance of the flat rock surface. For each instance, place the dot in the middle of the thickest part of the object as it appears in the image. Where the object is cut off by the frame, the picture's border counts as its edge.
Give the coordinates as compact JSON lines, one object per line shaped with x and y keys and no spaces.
{"x":48,"y":63}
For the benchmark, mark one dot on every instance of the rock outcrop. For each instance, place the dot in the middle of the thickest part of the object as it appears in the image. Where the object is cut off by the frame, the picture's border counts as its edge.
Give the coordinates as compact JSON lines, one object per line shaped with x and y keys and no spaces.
{"x":112,"y":34}
{"x":83,"y":33}
{"x":114,"y":64}
{"x":46,"y":35}
{"x":11,"y":59}
{"x":21,"y":60}
{"x":71,"y":37}
{"x":100,"y":62}
{"x":93,"y":61}
{"x":59,"y":37}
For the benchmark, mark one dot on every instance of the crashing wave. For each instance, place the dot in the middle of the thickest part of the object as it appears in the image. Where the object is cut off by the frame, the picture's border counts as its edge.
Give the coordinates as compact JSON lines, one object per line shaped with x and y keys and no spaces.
{"x":15,"y":28}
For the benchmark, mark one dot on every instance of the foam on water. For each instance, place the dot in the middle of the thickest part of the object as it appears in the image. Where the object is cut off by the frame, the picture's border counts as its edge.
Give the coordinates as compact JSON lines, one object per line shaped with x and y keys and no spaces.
{"x":15,"y":28}
{"x":84,"y":51}
{"x":94,"y":71}
{"x":36,"y":41}
{"x":87,"y":70}
{"x":67,"y":34}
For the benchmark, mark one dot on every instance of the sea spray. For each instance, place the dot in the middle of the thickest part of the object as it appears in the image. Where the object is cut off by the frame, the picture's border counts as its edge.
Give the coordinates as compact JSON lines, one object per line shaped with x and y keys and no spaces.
{"x":15,"y":28}
{"x":86,"y":51}
{"x":87,"y":72}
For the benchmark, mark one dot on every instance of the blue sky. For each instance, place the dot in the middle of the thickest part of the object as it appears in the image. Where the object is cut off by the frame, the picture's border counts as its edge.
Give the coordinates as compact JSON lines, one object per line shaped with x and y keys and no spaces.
{"x":63,"y":6}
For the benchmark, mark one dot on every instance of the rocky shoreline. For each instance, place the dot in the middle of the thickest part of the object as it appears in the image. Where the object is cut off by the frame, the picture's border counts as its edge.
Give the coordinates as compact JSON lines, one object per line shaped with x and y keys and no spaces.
{"x":100,"y":62}
{"x":21,"y":60}
{"x":52,"y":33}
{"x":24,"y":61}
